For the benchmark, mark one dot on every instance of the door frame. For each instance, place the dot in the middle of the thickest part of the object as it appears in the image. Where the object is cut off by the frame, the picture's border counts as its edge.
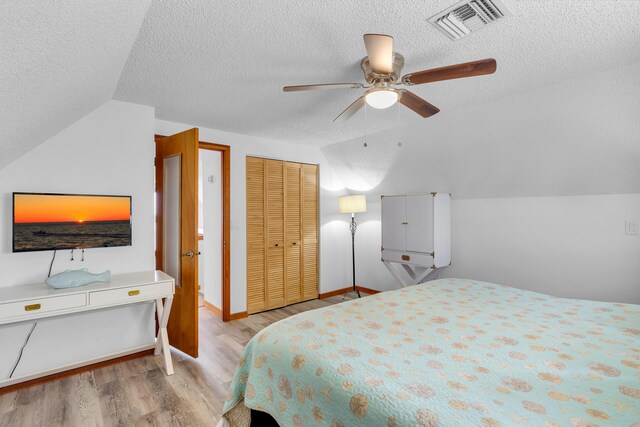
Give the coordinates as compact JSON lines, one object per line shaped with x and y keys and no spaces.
{"x":225,"y":152}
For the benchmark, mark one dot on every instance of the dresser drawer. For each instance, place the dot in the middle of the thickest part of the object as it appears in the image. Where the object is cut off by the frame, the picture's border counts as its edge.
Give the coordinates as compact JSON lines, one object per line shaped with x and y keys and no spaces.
{"x":129,"y":294}
{"x":411,"y":258}
{"x":43,"y":305}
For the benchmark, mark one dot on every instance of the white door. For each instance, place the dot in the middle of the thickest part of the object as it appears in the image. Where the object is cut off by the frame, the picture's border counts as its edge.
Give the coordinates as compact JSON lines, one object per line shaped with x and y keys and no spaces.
{"x":393,"y":223}
{"x":419,"y":225}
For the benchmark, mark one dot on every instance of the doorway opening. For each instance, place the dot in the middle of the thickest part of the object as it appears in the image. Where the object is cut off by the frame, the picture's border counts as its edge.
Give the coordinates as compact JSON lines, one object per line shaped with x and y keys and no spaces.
{"x":213,"y":227}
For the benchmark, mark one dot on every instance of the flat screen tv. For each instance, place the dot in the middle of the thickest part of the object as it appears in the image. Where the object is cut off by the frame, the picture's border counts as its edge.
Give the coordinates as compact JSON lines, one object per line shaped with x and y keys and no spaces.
{"x":43,"y":222}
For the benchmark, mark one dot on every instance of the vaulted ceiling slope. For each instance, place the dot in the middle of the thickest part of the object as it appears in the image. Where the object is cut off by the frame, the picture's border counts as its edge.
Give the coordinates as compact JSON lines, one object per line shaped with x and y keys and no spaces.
{"x":59,"y":61}
{"x":572,"y":138}
{"x":223,"y":64}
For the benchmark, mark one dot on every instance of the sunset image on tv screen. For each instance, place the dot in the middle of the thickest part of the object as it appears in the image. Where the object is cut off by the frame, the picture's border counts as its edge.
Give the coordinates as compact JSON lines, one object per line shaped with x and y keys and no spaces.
{"x":52,"y":221}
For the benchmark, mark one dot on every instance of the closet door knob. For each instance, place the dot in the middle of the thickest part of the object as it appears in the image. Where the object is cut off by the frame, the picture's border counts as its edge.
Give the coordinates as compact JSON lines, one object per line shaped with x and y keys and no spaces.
{"x":276,"y":245}
{"x":295,"y":243}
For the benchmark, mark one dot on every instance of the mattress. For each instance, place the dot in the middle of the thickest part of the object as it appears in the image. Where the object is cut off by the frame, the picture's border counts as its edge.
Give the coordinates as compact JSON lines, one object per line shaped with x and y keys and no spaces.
{"x":448,"y":352}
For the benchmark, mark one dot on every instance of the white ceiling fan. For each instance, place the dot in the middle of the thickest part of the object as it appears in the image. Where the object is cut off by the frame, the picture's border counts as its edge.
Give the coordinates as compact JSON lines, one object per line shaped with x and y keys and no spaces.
{"x":382,"y":67}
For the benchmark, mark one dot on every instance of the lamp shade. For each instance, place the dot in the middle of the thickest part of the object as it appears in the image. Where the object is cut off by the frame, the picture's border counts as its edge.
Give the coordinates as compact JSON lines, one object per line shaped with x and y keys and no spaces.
{"x":352,"y":204}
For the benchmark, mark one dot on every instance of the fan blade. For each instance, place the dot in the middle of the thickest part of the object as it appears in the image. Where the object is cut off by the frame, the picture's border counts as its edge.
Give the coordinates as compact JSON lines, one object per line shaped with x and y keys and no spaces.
{"x":380,"y":52}
{"x":417,"y":104}
{"x":350,"y":110}
{"x":468,"y":69}
{"x":323,"y":87}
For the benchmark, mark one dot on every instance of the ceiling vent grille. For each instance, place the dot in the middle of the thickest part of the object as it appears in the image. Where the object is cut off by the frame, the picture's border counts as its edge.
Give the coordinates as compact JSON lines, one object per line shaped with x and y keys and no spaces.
{"x":468,"y":16}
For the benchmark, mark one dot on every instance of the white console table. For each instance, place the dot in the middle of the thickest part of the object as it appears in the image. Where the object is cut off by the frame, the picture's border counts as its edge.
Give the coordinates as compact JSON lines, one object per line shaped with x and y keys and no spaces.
{"x":38,"y":300}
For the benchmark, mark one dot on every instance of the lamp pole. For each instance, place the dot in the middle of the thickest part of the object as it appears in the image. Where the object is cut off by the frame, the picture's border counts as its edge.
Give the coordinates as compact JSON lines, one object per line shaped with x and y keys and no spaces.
{"x":353,"y":227}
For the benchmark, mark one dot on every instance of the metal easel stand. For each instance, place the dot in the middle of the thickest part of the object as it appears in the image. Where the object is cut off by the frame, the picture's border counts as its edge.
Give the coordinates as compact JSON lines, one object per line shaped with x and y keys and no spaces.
{"x":416,"y":274}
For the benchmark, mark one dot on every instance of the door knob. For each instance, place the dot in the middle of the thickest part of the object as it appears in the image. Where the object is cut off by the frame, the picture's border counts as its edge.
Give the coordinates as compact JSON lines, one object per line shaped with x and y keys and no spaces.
{"x":188,"y":254}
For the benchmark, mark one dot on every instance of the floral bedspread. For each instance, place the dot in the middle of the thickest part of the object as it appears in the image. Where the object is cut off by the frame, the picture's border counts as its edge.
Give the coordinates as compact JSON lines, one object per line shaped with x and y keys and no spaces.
{"x":449,"y":352}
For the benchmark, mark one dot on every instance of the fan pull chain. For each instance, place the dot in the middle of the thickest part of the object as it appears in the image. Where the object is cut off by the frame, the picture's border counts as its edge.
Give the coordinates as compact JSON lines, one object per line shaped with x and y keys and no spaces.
{"x":365,"y":125}
{"x":398,"y":120}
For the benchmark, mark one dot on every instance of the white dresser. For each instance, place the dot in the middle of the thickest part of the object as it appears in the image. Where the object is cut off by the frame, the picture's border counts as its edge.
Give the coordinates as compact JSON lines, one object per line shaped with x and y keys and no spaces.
{"x":416,"y":234}
{"x":39,"y":301}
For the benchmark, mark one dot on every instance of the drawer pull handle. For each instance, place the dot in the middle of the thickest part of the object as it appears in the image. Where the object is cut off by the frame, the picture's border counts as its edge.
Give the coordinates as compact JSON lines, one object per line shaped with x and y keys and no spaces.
{"x":406,"y":258}
{"x":32,"y":307}
{"x":134,"y":293}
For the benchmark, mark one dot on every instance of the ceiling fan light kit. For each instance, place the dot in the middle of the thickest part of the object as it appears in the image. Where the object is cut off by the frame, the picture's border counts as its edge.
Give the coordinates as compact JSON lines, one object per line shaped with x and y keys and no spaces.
{"x":381,"y":98}
{"x":382,"y":69}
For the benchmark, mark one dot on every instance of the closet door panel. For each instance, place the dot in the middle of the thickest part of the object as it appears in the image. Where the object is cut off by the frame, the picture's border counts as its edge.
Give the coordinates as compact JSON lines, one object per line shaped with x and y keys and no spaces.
{"x":292,"y":231}
{"x":275,"y":233}
{"x":419,"y":220}
{"x":394,"y":231}
{"x":310,"y":231}
{"x":256,"y":298}
{"x":293,"y":285}
{"x":275,"y":278}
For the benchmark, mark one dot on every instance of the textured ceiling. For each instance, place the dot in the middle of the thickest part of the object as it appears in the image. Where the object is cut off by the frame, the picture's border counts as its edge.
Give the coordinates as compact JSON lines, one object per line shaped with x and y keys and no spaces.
{"x":59,"y":60}
{"x":223,"y":64}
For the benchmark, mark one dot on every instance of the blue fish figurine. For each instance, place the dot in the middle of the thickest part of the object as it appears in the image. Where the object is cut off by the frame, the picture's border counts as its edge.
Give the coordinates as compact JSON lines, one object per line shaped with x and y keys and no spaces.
{"x":74,"y":278}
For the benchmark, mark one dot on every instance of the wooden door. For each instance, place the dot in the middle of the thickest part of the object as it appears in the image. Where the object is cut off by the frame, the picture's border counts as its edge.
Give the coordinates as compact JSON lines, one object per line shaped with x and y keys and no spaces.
{"x":274,"y":196}
{"x":309,"y":189}
{"x":292,"y":232}
{"x":256,"y":243}
{"x":177,"y":230}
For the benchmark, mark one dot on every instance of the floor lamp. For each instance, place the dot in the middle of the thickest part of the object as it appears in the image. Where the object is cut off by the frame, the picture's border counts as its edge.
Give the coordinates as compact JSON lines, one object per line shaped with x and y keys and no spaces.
{"x":353,"y":205}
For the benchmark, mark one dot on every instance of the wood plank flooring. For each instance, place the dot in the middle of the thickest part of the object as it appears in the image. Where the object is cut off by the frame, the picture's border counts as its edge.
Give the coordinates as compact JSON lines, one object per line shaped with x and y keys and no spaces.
{"x":138,"y":393}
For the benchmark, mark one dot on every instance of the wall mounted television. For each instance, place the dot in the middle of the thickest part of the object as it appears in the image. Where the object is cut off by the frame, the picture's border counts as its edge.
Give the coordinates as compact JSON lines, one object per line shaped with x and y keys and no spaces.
{"x":47,"y":221}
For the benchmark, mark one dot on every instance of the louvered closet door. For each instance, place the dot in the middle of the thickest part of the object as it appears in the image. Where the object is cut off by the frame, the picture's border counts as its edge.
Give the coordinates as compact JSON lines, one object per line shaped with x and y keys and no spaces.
{"x":292,"y":231}
{"x":309,"y":231}
{"x":275,"y":233}
{"x":256,"y":280}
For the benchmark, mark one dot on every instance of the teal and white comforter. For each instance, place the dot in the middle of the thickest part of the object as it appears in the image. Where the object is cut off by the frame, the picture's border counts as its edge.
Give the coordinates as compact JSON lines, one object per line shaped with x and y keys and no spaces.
{"x":448,"y":353}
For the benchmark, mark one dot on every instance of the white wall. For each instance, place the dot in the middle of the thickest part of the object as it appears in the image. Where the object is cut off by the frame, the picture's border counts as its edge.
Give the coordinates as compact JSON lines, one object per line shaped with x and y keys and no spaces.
{"x":580,"y":137}
{"x":109,"y":151}
{"x":564,"y":246}
{"x":334,"y":237}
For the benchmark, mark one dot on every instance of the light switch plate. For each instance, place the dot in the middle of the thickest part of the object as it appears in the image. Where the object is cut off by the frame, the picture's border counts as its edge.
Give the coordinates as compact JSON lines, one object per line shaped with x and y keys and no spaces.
{"x":631,"y":227}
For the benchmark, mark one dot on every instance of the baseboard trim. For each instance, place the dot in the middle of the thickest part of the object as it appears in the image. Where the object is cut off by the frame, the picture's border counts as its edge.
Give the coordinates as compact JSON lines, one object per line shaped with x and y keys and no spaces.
{"x":367,"y":290}
{"x":240,"y":315}
{"x":212,"y":307}
{"x":335,"y":293}
{"x":345,"y":290}
{"x":20,"y":384}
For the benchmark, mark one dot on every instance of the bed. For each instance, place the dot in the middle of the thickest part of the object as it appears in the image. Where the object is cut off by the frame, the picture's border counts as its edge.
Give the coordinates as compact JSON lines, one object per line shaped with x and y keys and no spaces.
{"x":448,"y":352}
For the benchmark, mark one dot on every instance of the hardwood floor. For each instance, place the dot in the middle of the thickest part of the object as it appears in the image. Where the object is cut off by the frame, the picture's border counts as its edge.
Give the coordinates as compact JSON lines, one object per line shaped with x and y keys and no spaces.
{"x":138,"y":393}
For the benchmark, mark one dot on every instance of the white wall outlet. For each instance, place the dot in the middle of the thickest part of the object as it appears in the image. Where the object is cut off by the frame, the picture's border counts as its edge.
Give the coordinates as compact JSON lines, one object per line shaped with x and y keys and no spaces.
{"x":631,"y":227}
{"x":235,"y":224}
{"x":210,"y":179}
